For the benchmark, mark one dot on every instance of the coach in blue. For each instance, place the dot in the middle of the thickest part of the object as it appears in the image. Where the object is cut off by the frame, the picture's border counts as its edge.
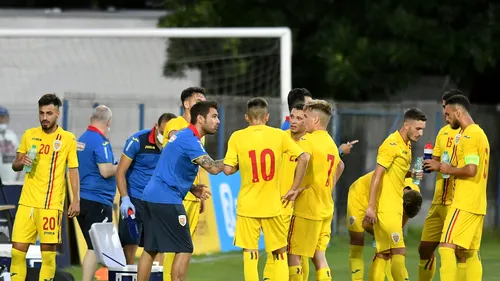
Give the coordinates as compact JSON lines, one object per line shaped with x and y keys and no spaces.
{"x":137,"y":164}
{"x":97,"y":181}
{"x":166,"y":228}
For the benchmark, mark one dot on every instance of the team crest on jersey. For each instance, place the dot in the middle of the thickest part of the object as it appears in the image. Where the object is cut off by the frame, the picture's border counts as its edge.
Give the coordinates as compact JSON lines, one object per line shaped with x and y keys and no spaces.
{"x":457,"y":139}
{"x":352,"y":220}
{"x":57,"y":145}
{"x":80,"y":146}
{"x":395,"y":237}
{"x":182,"y":220}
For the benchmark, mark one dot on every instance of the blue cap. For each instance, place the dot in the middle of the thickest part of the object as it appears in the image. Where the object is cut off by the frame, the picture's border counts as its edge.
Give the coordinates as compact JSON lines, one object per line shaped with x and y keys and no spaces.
{"x":3,"y":111}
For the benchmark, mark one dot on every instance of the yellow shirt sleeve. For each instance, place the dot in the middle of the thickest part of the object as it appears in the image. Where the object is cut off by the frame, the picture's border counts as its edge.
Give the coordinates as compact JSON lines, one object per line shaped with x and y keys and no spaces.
{"x":22,"y":146}
{"x":437,"y":147}
{"x":386,"y":154}
{"x":72,"y":157}
{"x":470,"y":149}
{"x":290,"y":147}
{"x":231,"y":158}
{"x":172,"y":125}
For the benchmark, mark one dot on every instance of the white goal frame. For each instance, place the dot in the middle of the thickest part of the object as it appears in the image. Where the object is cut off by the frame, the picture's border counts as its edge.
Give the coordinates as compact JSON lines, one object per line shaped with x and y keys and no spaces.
{"x":283,"y":33}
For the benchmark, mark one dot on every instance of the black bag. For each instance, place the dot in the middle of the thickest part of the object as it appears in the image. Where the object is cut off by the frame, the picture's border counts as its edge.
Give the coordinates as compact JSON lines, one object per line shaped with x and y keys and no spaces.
{"x":33,"y":275}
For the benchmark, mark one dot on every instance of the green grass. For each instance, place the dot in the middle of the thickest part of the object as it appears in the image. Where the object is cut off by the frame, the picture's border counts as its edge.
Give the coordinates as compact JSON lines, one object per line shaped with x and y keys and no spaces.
{"x":229,"y":266}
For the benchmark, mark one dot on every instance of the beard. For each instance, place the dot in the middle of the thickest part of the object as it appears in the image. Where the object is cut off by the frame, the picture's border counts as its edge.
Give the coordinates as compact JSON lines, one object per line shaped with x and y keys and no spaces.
{"x":47,"y":125}
{"x":455,"y":124}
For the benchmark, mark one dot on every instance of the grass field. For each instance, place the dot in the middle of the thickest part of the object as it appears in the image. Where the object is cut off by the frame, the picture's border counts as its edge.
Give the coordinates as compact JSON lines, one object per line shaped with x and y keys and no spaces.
{"x":229,"y":266}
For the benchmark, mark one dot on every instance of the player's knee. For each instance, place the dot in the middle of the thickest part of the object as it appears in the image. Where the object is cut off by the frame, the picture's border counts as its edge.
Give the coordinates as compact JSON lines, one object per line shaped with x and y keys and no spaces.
{"x":22,"y":247}
{"x":426,"y":250}
{"x":461,"y":254}
{"x":398,"y":251}
{"x":357,"y":238}
{"x":279,"y":251}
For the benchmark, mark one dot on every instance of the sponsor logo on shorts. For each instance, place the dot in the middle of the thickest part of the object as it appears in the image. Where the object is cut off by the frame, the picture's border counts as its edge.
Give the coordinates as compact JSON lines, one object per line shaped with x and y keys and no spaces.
{"x":182,"y":220}
{"x":352,"y":220}
{"x":395,"y":237}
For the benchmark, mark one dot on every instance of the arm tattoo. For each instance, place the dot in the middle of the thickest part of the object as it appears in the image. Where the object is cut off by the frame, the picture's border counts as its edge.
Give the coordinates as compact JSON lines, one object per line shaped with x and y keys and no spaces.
{"x":208,"y":163}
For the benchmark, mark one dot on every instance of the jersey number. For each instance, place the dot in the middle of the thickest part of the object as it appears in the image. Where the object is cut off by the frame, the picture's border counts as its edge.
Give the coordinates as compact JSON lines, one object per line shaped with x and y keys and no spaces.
{"x":263,"y":164}
{"x":449,"y":143}
{"x":485,"y":173}
{"x":330,"y":158}
{"x":44,"y":149}
{"x":49,"y":223}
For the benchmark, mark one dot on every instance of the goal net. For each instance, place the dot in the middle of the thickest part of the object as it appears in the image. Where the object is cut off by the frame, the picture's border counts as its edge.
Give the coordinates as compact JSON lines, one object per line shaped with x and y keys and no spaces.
{"x":139,"y":73}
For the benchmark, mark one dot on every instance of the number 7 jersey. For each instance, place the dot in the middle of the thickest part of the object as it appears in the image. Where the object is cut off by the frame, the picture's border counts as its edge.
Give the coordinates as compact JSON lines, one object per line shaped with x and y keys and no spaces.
{"x":316,"y":202}
{"x":258,"y":151}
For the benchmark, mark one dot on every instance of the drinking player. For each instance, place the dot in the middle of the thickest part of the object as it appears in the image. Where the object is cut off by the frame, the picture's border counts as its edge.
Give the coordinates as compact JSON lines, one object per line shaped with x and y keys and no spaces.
{"x":297,"y":133}
{"x":443,"y":196}
{"x":310,"y":225}
{"x":166,"y":227}
{"x":357,"y":202}
{"x":257,"y":151}
{"x":193,"y":205}
{"x":463,"y":226}
{"x":41,"y":203}
{"x":393,"y":166}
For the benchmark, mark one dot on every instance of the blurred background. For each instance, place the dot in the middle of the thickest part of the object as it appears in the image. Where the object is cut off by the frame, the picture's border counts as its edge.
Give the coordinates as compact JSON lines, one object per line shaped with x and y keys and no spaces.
{"x":371,"y":59}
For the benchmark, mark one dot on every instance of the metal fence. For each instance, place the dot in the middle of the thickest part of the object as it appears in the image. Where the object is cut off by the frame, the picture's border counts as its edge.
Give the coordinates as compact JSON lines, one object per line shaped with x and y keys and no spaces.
{"x":370,"y":123}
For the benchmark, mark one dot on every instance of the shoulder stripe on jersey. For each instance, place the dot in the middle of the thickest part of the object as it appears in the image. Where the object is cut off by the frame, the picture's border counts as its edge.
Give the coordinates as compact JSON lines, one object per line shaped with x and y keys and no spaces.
{"x":52,"y":170}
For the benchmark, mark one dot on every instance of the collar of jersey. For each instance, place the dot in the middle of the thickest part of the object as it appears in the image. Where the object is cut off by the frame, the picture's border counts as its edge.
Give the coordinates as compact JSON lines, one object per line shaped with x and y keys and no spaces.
{"x":152,"y":136}
{"x":94,"y":129}
{"x":194,"y":130}
{"x":400,"y":138}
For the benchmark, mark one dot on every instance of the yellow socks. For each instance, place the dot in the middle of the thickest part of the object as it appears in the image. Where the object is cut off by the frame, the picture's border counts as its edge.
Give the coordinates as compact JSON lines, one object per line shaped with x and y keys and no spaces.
{"x":426,"y":269}
{"x":48,"y":270}
{"x":462,"y":271}
{"x":295,"y":273}
{"x":250,"y":263}
{"x":398,"y":268}
{"x":268,"y":268}
{"x":18,"y":268}
{"x":377,"y":270}
{"x":448,"y":270}
{"x":304,"y":262}
{"x":356,"y":264}
{"x":168,"y":260}
{"x":323,"y":274}
{"x":280,"y":266}
{"x":474,"y":266}
{"x":388,"y":268}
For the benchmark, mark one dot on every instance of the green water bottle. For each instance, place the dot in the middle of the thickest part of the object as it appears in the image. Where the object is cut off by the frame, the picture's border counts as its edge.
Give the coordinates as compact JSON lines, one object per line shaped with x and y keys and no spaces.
{"x":32,"y":156}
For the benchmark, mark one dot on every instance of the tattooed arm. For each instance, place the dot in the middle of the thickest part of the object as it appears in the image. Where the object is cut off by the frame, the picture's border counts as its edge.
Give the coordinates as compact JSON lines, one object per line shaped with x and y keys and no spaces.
{"x":210,"y":165}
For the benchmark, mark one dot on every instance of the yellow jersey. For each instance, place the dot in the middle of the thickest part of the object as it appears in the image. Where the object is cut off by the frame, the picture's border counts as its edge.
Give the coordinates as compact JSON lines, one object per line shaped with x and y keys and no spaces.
{"x":361,"y":188}
{"x":259,"y":151}
{"x":473,"y":148}
{"x":316,"y":202}
{"x":178,"y":124}
{"x":395,"y":156}
{"x":288,"y":166}
{"x":45,"y":186}
{"x":445,"y":141}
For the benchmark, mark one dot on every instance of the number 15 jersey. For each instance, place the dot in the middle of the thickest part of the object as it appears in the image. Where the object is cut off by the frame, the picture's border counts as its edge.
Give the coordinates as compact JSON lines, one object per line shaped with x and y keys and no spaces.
{"x":316,"y":202}
{"x":258,"y":151}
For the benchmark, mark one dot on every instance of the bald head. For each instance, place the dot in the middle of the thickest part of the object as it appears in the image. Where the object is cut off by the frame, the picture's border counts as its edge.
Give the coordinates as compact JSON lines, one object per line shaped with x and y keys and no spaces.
{"x":101,"y":114}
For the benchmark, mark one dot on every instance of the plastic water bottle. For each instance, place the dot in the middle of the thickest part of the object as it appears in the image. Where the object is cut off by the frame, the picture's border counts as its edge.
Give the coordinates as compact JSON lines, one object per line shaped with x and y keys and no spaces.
{"x":428,"y":149}
{"x":445,"y":159}
{"x":417,"y":168}
{"x":32,"y":156}
{"x":132,"y":225}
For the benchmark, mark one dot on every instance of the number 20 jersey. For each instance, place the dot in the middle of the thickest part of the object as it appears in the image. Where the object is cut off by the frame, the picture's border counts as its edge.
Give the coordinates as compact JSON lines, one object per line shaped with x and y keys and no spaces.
{"x":316,"y":202}
{"x":258,"y":151}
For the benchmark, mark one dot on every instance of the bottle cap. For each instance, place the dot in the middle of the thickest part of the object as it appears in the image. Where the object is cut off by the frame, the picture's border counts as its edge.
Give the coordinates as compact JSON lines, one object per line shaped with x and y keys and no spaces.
{"x":428,"y":146}
{"x":130,"y":212}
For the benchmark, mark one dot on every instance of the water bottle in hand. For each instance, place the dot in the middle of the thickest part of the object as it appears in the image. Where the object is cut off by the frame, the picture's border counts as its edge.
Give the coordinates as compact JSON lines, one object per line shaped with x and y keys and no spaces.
{"x":132,"y":225}
{"x":445,"y":159}
{"x":428,"y":149}
{"x":417,"y":168}
{"x":32,"y":156}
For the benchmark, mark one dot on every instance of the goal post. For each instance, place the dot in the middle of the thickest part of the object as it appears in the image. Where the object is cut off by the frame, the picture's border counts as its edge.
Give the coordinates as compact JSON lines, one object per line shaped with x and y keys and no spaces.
{"x":281,"y":33}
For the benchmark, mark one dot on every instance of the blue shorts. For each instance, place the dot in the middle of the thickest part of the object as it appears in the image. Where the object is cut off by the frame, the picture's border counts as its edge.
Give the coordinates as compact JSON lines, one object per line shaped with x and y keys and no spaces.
{"x":165,"y":228}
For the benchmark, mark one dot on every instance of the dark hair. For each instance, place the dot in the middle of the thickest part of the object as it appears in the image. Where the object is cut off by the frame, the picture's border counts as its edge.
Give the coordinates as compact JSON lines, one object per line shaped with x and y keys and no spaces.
{"x":412,"y":203}
{"x":187,"y":93}
{"x":458,"y":100}
{"x":298,"y":106}
{"x":415,"y":114}
{"x":297,"y":95}
{"x":165,"y":117}
{"x":202,"y":108}
{"x":256,"y":102}
{"x":450,"y":93}
{"x":49,"y":99}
